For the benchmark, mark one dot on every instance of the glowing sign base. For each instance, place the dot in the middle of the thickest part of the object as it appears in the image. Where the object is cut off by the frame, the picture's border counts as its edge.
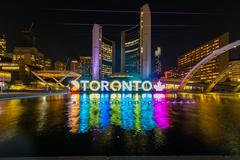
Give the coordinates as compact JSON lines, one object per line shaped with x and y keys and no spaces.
{"x":117,"y":86}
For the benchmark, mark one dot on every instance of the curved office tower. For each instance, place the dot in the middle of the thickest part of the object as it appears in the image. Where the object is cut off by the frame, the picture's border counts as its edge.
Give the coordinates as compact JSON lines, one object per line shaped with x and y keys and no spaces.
{"x":130,"y":43}
{"x":103,"y":52}
{"x":136,"y":46}
{"x":96,"y":49}
{"x":145,"y":41}
{"x":107,"y":58}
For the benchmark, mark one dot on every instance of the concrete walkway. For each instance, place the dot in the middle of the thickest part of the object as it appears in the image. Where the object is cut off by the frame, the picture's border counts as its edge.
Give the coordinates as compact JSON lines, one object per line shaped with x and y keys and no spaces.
{"x":28,"y":94}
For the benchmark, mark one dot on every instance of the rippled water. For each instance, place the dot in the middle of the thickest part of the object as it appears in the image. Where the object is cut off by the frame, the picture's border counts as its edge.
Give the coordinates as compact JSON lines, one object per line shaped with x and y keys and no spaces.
{"x":121,"y":124}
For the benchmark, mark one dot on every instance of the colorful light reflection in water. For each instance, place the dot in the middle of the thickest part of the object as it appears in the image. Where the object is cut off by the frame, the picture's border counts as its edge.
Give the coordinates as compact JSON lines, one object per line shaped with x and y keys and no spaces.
{"x":161,"y":111}
{"x":133,"y":112}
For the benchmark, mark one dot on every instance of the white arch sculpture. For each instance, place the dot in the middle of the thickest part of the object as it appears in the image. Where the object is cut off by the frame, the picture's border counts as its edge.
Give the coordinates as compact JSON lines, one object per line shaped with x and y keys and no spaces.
{"x":221,"y":75}
{"x":214,"y":54}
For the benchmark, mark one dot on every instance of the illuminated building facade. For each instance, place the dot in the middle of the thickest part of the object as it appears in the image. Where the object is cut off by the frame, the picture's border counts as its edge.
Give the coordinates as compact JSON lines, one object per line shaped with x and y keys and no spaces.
{"x":210,"y":70}
{"x":9,"y":66}
{"x":59,"y":66}
{"x":234,"y":57}
{"x":103,"y":53}
{"x":171,"y":73}
{"x":3,"y":46}
{"x":19,"y":71}
{"x":96,"y":50}
{"x":4,"y":77}
{"x":85,"y":66}
{"x":22,"y":61}
{"x":107,"y":57}
{"x":29,"y":56}
{"x":47,"y":64}
{"x":136,"y":46}
{"x":234,"y":74}
{"x":74,"y":66}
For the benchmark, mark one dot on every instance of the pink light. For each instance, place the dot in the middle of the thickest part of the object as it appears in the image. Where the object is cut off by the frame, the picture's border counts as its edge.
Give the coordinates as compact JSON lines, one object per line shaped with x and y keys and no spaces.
{"x":159,"y":96}
{"x":161,"y":112}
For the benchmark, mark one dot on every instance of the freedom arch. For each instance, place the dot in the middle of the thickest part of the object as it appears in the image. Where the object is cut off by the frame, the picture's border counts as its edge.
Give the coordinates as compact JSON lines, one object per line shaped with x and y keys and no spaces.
{"x":222,"y":75}
{"x":205,"y":60}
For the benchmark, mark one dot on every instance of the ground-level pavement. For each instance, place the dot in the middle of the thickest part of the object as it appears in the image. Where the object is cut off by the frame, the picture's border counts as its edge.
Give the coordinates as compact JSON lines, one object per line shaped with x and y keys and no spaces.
{"x":28,"y":94}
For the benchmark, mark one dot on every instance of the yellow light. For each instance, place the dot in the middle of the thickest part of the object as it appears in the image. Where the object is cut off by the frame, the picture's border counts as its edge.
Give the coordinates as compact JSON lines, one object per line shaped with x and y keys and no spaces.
{"x":10,"y":68}
{"x":4,"y":74}
{"x":17,"y":87}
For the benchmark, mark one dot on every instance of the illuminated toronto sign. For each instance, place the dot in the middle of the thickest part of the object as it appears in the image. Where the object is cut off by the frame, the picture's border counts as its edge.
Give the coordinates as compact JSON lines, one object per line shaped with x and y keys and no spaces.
{"x":132,"y":85}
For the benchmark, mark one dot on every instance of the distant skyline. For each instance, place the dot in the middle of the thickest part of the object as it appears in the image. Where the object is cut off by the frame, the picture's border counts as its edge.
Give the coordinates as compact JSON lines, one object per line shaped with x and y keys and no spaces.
{"x":64,"y":29}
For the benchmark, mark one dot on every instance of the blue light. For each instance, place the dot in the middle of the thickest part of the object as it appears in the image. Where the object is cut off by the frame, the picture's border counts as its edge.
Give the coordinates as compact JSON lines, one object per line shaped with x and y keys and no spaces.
{"x":127,"y":114}
{"x":104,"y":111}
{"x":147,"y":116}
{"x":84,"y":113}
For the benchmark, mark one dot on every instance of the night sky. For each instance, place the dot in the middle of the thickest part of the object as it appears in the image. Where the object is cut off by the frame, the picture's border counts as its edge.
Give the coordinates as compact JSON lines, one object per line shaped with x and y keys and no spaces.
{"x":60,"y":33}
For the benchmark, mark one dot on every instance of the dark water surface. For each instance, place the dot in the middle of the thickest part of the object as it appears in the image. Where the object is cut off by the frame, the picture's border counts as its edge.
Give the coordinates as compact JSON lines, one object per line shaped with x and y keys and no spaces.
{"x":121,"y":124}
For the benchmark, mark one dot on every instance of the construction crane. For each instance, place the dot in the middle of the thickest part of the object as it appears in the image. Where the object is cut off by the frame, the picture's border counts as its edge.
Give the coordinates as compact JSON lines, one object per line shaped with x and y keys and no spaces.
{"x":29,"y":33}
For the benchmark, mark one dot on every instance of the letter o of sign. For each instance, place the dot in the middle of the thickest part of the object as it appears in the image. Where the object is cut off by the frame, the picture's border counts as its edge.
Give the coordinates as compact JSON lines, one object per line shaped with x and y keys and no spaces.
{"x":113,"y":83}
{"x":96,"y":84}
{"x":145,"y":84}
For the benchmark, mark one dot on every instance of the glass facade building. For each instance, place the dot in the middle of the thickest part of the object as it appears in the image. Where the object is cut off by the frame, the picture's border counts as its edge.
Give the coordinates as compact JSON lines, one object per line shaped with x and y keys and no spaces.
{"x":131,"y":51}
{"x":136,"y":46}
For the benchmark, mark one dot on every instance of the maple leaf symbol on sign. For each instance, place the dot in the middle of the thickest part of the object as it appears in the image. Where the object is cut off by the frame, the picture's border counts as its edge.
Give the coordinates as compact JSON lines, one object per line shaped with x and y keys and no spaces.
{"x":159,"y":86}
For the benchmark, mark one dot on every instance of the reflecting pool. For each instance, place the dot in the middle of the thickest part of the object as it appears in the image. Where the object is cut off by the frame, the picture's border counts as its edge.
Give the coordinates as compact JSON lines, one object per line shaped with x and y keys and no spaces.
{"x":121,"y":124}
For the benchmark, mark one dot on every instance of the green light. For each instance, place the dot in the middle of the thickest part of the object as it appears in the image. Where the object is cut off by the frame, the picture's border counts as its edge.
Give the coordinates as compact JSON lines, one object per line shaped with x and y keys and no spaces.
{"x":94,"y":111}
{"x":115,"y":110}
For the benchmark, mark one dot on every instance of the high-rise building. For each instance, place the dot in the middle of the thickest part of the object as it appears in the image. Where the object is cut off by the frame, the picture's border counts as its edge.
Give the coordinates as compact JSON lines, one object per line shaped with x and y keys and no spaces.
{"x":210,"y":70}
{"x":3,"y":46}
{"x":74,"y":66}
{"x":103,"y":53}
{"x":107,"y":57}
{"x":136,"y":46}
{"x":85,"y":66}
{"x":59,"y":66}
{"x":157,"y":61}
{"x":130,"y":48}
